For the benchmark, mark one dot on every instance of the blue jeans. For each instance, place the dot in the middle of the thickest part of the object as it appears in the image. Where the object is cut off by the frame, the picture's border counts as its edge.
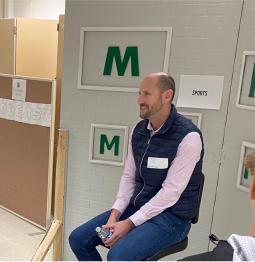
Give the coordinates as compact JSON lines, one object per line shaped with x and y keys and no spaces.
{"x":141,"y":242}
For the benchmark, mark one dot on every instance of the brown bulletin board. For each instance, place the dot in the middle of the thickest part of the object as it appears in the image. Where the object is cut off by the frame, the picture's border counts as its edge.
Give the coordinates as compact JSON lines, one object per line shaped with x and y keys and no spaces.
{"x":26,"y":157}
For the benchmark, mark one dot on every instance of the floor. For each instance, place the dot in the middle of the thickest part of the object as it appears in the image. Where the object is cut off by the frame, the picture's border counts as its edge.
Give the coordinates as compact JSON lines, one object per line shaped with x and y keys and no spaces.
{"x":19,"y":239}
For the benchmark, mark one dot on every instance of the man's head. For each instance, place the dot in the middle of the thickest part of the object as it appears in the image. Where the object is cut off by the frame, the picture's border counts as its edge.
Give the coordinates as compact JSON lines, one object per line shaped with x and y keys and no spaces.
{"x":155,"y":95}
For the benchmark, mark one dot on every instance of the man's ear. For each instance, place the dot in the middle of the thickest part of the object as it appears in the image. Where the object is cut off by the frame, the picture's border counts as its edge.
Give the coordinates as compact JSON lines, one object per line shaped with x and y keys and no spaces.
{"x":169,"y":95}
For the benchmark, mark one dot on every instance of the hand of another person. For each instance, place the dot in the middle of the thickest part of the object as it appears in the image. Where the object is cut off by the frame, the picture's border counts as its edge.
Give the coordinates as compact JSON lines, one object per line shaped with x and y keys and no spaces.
{"x":252,"y":204}
{"x":249,"y":163}
{"x":119,"y":229}
{"x":252,"y":195}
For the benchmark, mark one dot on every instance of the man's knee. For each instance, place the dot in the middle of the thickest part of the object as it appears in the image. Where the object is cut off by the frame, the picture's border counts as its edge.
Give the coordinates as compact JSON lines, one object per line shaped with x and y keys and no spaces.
{"x":74,"y":239}
{"x":115,"y":255}
{"x":120,"y":254}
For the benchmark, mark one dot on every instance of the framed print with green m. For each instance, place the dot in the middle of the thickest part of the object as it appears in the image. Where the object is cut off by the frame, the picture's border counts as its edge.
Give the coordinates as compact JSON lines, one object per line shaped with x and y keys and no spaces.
{"x":246,"y":91}
{"x":108,"y":144}
{"x":118,"y":58}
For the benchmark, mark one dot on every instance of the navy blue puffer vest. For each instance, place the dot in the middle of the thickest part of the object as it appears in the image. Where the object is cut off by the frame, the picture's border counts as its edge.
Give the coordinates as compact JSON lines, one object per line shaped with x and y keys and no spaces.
{"x":164,"y":144}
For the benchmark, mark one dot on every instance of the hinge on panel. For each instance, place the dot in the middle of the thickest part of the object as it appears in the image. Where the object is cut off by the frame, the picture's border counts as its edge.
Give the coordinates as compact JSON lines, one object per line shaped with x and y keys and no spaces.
{"x":58,"y":27}
{"x":15,"y":30}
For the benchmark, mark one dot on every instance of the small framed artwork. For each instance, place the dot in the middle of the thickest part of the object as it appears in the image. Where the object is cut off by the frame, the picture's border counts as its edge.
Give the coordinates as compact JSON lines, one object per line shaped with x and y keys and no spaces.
{"x":243,"y":177}
{"x":246,"y":90}
{"x":196,"y":118}
{"x":118,"y":58}
{"x":108,"y":144}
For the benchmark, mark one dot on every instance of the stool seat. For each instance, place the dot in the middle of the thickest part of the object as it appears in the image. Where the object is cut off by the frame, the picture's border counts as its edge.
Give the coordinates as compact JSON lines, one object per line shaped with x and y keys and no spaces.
{"x":169,"y":250}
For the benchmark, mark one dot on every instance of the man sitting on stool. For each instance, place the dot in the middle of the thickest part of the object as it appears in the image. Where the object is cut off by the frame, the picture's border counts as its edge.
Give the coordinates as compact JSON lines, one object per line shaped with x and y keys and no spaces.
{"x":159,"y":188}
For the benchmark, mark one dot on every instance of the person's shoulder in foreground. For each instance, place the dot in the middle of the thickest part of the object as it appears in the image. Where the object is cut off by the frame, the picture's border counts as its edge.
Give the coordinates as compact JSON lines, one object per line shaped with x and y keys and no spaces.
{"x":236,"y":247}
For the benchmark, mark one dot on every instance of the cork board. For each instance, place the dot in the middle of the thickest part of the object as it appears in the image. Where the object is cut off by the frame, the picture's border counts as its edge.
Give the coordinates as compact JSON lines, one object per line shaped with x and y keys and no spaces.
{"x":25,"y":157}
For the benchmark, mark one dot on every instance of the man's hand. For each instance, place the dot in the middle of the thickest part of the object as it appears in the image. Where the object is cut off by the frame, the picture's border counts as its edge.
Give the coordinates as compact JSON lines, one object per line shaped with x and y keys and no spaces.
{"x":119,"y":229}
{"x":114,"y":217}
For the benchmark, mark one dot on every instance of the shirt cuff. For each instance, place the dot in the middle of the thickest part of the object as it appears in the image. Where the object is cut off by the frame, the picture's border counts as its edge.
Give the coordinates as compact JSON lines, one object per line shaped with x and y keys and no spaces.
{"x":138,"y":218}
{"x":119,"y":205}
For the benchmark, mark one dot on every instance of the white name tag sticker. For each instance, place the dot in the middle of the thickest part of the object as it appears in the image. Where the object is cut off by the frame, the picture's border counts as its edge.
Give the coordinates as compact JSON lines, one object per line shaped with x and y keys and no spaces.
{"x":157,"y":163}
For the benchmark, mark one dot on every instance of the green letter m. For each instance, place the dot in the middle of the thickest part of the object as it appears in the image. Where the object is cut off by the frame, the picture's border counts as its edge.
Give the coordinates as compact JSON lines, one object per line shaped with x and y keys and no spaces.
{"x":115,"y":142}
{"x":252,"y":87}
{"x":114,"y":53}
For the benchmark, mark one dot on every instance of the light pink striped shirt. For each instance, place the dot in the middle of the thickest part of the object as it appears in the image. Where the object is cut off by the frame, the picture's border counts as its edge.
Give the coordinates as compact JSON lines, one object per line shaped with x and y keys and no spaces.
{"x":178,"y":176}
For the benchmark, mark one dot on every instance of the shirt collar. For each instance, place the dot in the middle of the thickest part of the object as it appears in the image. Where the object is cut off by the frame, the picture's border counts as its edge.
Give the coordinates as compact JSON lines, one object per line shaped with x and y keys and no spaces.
{"x":150,"y":128}
{"x":146,"y":125}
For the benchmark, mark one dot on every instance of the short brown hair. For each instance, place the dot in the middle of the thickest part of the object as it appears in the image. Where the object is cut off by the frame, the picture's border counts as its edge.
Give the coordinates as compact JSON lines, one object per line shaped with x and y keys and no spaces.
{"x":166,"y":82}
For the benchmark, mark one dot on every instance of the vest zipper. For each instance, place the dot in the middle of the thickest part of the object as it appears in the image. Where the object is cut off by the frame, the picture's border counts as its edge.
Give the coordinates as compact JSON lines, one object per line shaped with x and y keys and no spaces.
{"x":140,"y":168}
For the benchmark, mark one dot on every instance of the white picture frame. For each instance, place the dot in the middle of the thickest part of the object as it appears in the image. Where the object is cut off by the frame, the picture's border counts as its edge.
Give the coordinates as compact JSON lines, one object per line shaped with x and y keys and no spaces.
{"x":95,"y":144}
{"x":131,"y":84}
{"x":245,"y":76}
{"x":242,"y":183}
{"x":196,"y":118}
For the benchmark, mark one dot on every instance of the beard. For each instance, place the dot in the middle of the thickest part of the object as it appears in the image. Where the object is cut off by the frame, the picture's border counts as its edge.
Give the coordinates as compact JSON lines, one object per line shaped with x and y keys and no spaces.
{"x":146,"y":112}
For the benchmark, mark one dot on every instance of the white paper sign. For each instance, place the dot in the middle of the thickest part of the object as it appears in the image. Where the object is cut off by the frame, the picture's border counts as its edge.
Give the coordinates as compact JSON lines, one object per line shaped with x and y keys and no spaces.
{"x":19,"y":88}
{"x":26,"y":112}
{"x":200,"y":91}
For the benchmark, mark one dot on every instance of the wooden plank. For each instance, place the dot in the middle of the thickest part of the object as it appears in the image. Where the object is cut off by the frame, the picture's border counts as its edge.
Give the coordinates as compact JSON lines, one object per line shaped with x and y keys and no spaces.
{"x":47,"y":241}
{"x":54,"y":235}
{"x":60,"y":191}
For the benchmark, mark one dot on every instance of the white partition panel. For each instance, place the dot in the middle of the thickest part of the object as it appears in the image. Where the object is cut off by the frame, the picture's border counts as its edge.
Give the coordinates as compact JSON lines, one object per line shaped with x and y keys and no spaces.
{"x":232,"y":211}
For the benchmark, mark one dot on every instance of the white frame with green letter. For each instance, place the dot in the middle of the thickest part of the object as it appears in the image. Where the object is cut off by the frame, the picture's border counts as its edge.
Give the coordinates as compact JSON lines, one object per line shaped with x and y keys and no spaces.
{"x":243,"y":88}
{"x":85,"y":57}
{"x":122,"y":131}
{"x":196,"y":118}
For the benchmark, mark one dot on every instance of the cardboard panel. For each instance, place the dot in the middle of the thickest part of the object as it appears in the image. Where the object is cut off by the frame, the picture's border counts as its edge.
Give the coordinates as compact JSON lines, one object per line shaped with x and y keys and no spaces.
{"x":36,"y":52}
{"x":7,"y":46}
{"x":1,"y":8}
{"x":24,"y":157}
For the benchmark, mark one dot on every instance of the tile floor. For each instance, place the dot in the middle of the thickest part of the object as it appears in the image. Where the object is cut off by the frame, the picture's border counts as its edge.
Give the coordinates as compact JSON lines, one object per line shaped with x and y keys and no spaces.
{"x":19,"y":239}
